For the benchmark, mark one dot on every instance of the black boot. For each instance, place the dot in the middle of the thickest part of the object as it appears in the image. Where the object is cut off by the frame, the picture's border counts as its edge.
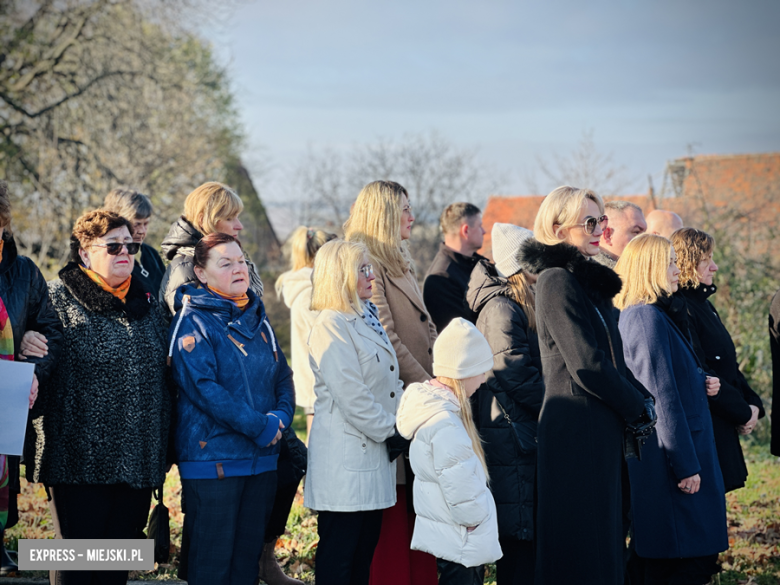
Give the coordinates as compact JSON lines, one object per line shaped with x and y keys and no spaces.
{"x":7,"y":566}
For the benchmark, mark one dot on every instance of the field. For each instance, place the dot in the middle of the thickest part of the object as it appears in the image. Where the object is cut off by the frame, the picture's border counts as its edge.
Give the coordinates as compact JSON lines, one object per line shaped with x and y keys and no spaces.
{"x":753,"y":517}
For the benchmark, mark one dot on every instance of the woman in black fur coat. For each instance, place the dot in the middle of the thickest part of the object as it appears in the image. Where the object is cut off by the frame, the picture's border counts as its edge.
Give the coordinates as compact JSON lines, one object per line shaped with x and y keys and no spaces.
{"x":590,"y":395}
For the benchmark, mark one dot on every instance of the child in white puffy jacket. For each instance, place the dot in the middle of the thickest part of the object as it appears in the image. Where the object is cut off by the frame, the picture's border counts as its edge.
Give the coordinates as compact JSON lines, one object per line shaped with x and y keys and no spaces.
{"x":456,"y":515}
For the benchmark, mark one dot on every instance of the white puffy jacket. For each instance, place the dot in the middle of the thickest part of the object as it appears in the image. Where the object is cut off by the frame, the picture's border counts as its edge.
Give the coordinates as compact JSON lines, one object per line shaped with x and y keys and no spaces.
{"x":450,"y":487}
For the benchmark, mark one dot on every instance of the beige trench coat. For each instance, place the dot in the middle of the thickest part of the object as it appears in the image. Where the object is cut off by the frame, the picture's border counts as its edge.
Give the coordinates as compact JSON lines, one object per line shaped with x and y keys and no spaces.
{"x":407,"y":323}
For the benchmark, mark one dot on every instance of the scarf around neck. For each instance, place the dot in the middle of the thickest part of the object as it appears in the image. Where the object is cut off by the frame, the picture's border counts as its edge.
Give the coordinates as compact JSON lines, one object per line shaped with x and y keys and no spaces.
{"x":241,"y":301}
{"x":119,"y":292}
{"x":6,"y":334}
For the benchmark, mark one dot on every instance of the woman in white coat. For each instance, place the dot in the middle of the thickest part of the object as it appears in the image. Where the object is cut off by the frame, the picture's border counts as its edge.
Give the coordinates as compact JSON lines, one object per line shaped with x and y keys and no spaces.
{"x":351,"y":478}
{"x":294,"y":286}
{"x":456,"y":514}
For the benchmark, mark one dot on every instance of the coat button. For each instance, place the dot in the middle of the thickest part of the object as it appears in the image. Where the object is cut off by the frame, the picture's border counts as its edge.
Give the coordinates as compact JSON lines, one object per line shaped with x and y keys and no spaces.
{"x":423,"y":318}
{"x":392,"y":394}
{"x":430,"y":351}
{"x":717,"y":357}
{"x":392,"y":368}
{"x":699,"y":370}
{"x":364,"y":445}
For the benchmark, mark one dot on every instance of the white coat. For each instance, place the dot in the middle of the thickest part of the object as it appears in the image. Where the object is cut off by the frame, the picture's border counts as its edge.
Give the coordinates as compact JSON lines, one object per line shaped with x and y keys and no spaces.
{"x":357,"y":394}
{"x":296,"y":290}
{"x":450,"y":485}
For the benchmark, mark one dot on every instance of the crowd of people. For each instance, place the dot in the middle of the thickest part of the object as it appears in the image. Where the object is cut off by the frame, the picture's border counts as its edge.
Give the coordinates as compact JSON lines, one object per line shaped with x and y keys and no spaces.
{"x":534,"y":411}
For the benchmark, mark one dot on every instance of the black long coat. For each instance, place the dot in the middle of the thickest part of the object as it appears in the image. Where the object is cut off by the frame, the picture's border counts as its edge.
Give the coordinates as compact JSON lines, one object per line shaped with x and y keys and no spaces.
{"x":444,"y":289}
{"x":514,"y":385}
{"x":589,"y":397}
{"x":731,"y":407}
{"x":774,"y":342}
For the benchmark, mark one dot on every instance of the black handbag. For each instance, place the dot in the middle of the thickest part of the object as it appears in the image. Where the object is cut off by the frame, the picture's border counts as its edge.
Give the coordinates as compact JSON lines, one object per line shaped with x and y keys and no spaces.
{"x":524,"y":434}
{"x":159,"y":529}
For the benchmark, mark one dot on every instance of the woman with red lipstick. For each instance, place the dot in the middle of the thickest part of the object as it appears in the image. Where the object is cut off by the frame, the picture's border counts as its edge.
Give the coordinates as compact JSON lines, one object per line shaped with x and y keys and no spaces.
{"x":737,"y":408}
{"x":590,"y":395}
{"x":382,"y":219}
{"x":107,"y":406}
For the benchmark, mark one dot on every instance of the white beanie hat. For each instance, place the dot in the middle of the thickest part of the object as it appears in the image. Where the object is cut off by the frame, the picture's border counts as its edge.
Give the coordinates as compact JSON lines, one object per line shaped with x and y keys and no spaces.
{"x":461,"y":351}
{"x":506,"y":240}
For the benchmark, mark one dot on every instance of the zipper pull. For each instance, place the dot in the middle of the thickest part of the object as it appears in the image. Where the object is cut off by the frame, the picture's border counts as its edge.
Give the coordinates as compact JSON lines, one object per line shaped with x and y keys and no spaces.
{"x":238,"y":344}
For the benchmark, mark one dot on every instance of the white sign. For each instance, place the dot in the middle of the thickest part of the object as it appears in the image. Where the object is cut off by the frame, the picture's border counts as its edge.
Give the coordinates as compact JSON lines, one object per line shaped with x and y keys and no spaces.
{"x":15,"y":382}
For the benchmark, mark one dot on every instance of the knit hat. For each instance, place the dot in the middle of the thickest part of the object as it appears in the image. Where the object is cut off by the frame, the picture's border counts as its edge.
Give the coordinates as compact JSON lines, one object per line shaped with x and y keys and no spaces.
{"x":506,"y":240}
{"x":461,"y":351}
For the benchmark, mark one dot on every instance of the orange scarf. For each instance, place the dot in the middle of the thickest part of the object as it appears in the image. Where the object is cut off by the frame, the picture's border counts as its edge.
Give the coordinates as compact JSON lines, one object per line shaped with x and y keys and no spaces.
{"x":119,"y":292}
{"x":241,"y":300}
{"x":2,"y":243}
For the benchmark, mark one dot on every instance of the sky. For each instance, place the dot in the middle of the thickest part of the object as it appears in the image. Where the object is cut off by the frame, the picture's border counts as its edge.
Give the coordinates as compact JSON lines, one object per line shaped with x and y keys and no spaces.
{"x":514,"y":80}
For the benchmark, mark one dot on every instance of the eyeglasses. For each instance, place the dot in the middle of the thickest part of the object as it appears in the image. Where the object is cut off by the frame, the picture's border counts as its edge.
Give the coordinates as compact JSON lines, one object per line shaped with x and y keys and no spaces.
{"x":367,"y":269}
{"x":591,"y":223}
{"x":115,"y":248}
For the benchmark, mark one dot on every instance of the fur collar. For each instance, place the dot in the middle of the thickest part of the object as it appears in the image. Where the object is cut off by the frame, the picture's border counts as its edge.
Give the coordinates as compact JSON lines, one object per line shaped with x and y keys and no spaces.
{"x":93,"y":298}
{"x":600,"y":282}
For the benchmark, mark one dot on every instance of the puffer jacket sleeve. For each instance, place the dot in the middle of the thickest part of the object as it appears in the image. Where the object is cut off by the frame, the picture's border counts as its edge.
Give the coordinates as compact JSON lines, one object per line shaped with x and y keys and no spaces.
{"x":506,"y":332}
{"x":42,"y":317}
{"x":196,"y":374}
{"x":179,"y":272}
{"x":332,"y":348}
{"x":455,"y":464}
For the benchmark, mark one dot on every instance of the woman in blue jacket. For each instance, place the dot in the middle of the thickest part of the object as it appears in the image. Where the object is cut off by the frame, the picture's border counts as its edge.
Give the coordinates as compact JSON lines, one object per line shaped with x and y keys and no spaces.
{"x":677,"y":493}
{"x":235,"y":396}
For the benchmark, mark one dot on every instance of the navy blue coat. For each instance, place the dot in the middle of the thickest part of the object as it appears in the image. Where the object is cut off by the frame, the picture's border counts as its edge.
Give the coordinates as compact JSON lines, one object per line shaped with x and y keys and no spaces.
{"x":669,"y":523}
{"x":234,"y":387}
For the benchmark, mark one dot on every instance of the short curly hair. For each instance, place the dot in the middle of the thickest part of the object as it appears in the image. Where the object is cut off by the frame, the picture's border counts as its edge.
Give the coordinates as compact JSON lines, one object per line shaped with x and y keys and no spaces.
{"x":5,"y":205}
{"x":93,"y":225}
{"x":692,"y":246}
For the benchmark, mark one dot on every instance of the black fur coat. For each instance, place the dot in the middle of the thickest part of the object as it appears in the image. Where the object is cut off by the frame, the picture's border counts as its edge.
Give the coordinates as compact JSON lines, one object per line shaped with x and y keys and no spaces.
{"x":107,"y":407}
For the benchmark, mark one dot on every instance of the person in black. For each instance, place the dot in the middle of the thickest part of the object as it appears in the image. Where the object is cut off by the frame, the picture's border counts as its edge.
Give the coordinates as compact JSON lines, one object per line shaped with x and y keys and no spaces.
{"x":737,"y":408}
{"x":444,"y":290}
{"x":774,"y":342}
{"x":136,"y":208}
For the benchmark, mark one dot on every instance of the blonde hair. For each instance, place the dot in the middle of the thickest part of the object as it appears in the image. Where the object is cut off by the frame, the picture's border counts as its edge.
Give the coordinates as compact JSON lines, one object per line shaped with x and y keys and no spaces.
{"x":520,"y":291}
{"x":210,"y":203}
{"x":643,"y":267}
{"x":692,"y":246}
{"x":467,"y":416}
{"x":375,"y":220}
{"x":335,"y":276}
{"x":129,"y":203}
{"x":561,"y":209}
{"x":305,"y":242}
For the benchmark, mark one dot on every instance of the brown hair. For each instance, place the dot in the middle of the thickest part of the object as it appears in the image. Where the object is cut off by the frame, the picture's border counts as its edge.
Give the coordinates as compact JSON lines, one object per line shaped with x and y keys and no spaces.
{"x":128,"y":203}
{"x":520,"y":291}
{"x":5,"y":205}
{"x":692,"y":246}
{"x":91,"y":226}
{"x":455,"y":214}
{"x":206,"y":243}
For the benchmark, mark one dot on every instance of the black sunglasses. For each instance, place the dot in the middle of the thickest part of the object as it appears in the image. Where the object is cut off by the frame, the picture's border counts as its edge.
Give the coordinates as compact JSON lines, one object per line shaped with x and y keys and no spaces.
{"x":115,"y":248}
{"x":591,"y":223}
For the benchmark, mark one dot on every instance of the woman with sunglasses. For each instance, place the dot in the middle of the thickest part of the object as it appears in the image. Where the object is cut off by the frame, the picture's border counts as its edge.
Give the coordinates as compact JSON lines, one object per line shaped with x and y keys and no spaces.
{"x":107,"y":406}
{"x":590,"y":396}
{"x":382,"y":219}
{"x":351,"y":477}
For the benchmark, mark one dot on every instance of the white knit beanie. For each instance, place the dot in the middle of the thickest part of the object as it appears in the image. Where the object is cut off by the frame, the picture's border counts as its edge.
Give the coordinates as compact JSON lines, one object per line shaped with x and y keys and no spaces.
{"x":461,"y":351}
{"x":506,"y":240}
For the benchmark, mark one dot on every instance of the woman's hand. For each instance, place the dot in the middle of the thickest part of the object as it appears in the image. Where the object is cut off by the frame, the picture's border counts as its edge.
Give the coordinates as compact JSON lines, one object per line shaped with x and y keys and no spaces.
{"x":748,"y":427}
{"x":712,"y":385}
{"x":278,"y":436}
{"x":33,"y":391}
{"x":33,"y":345}
{"x":690,"y":485}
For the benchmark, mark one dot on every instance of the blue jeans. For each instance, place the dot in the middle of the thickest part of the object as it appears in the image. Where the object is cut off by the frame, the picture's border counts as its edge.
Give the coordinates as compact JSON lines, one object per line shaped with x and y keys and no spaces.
{"x":226,"y":521}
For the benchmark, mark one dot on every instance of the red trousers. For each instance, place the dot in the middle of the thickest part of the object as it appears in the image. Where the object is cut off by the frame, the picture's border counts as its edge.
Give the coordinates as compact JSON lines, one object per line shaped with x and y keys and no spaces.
{"x":394,"y":562}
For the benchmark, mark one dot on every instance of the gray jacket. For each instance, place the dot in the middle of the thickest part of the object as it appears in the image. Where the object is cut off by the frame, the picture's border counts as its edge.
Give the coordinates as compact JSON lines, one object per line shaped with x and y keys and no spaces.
{"x":357,"y":395}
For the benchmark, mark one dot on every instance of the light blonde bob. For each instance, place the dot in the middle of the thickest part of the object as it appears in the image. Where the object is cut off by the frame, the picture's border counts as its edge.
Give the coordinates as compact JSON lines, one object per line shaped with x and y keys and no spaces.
{"x":560,"y":210}
{"x":211,"y":203}
{"x":335,"y":277}
{"x":643,"y":267}
{"x":375,"y":220}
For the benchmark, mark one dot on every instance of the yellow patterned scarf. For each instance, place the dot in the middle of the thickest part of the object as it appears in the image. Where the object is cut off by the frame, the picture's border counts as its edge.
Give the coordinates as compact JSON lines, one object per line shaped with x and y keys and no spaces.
{"x":119,"y":292}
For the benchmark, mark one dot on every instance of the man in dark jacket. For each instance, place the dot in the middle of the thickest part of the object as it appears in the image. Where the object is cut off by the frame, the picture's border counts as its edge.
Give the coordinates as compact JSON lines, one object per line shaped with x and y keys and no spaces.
{"x":444,"y":290}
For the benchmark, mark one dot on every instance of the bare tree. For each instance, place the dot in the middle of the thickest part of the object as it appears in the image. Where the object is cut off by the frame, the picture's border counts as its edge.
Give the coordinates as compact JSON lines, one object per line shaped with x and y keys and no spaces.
{"x":584,"y":167}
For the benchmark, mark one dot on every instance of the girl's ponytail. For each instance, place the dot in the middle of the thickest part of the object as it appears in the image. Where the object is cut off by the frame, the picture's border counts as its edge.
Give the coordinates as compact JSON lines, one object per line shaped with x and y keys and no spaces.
{"x":467,"y":417}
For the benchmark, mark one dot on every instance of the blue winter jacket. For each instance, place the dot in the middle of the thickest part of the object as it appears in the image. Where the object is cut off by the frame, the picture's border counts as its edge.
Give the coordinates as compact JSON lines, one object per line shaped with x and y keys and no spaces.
{"x":234,"y":386}
{"x":669,"y":523}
